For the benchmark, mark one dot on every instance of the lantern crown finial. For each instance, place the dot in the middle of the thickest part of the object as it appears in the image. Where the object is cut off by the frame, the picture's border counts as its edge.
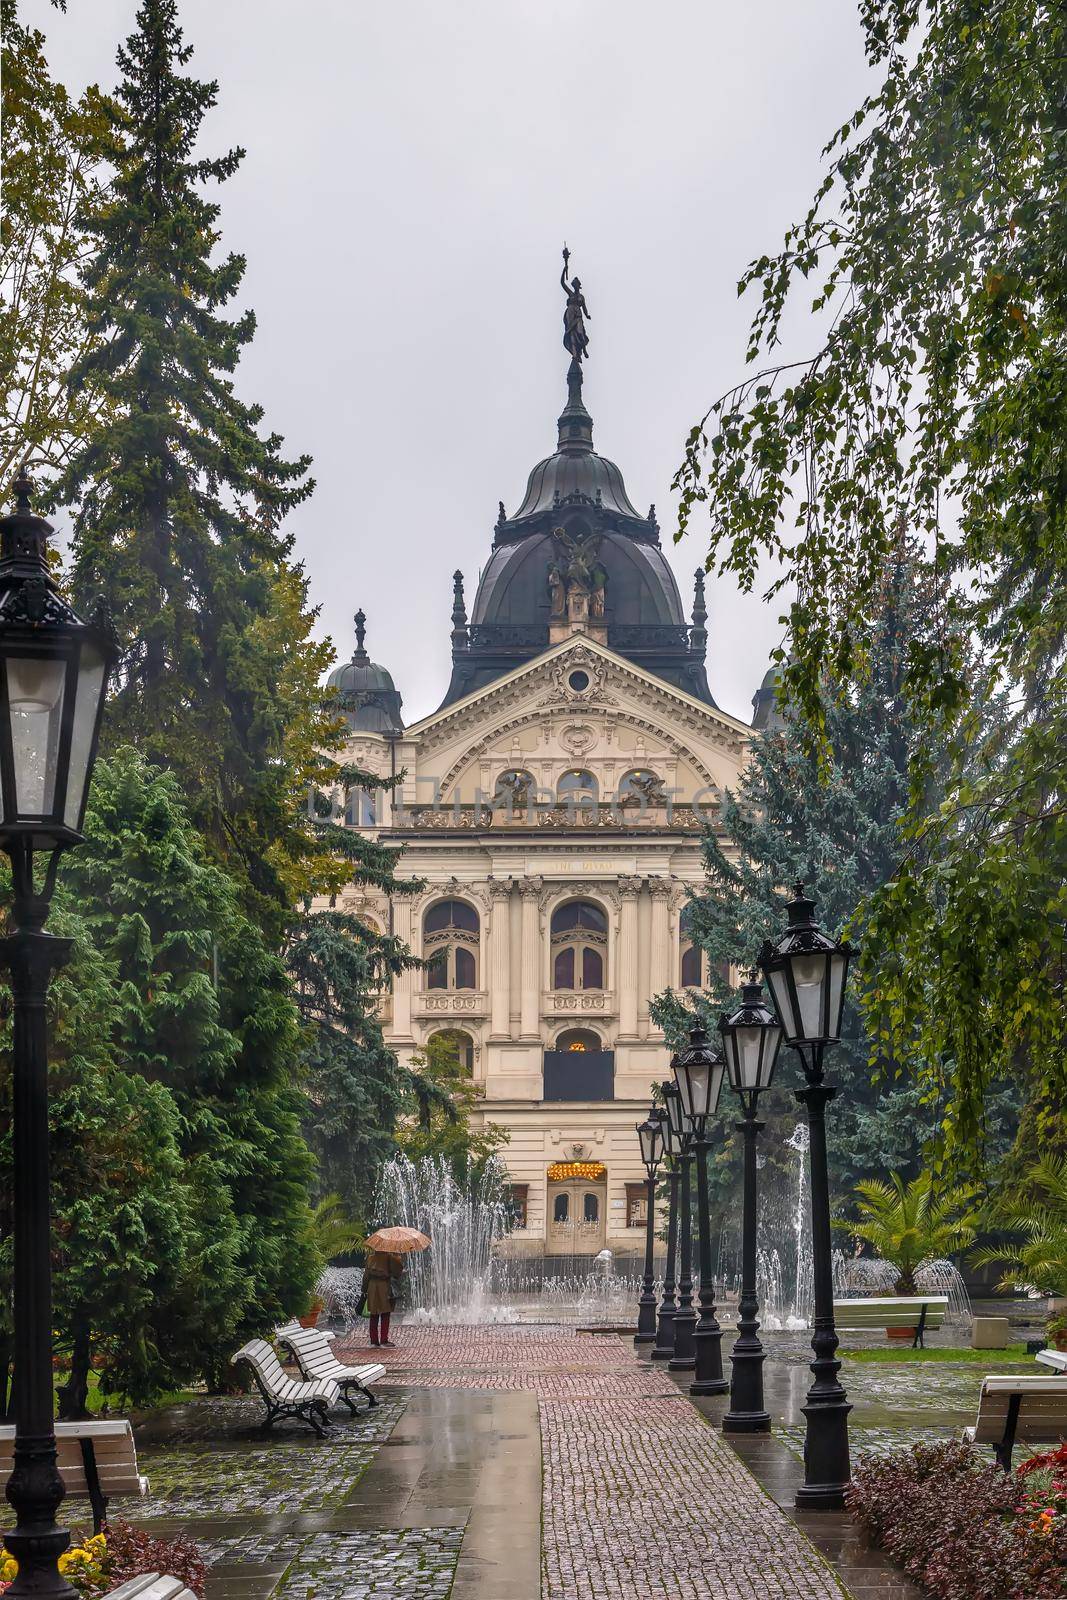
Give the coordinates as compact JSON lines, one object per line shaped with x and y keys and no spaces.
{"x":23,"y":535}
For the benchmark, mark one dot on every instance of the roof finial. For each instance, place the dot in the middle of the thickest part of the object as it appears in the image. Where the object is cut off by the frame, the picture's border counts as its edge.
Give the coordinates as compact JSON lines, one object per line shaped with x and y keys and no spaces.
{"x":575,"y":425}
{"x":459,"y":614}
{"x":698,"y":633}
{"x":361,"y":656}
{"x":23,"y":488}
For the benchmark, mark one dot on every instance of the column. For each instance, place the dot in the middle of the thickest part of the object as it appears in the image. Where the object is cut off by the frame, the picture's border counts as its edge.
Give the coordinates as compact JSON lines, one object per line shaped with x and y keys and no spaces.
{"x":404,"y":982}
{"x":626,"y":958}
{"x":659,"y":963}
{"x":500,"y":958}
{"x":530,"y":890}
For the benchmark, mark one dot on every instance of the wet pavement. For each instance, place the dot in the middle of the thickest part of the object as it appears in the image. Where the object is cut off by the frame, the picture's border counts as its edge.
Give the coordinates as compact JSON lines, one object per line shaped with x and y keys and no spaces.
{"x":439,"y":1493}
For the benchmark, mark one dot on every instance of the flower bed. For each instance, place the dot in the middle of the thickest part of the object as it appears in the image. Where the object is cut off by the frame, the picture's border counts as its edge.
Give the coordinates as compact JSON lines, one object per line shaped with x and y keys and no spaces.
{"x":963,"y":1529}
{"x":95,"y":1566}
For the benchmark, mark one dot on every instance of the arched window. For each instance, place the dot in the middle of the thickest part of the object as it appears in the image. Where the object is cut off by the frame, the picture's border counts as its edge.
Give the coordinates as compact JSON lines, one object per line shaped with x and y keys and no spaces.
{"x":561,"y":1207}
{"x":579,"y":946}
{"x":514,"y":791}
{"x":579,"y":1039}
{"x":590,"y":1208}
{"x":361,"y":810}
{"x":641,"y":788}
{"x":450,"y":945}
{"x":461,"y":1046}
{"x":577,"y":788}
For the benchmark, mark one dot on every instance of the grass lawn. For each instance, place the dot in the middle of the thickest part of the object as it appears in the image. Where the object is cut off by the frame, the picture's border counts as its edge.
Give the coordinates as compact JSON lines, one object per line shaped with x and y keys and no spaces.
{"x":96,"y":1400}
{"x":891,"y":1357}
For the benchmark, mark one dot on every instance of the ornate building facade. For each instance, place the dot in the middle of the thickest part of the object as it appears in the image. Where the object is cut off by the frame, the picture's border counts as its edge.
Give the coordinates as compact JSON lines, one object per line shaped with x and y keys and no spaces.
{"x":552,"y":806}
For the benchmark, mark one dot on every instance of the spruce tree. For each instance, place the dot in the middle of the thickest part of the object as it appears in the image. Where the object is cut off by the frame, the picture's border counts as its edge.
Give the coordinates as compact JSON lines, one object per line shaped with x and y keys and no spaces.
{"x":180,"y":493}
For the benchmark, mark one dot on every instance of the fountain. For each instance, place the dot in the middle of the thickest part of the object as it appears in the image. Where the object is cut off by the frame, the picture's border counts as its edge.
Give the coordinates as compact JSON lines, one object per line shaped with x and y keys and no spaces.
{"x":450,"y":1282}
{"x":784,"y":1273}
{"x":870,"y":1275}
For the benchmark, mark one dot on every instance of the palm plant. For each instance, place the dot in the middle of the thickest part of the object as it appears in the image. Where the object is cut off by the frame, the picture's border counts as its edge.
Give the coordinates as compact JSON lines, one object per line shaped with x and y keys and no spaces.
{"x":333,"y":1230}
{"x":1038,"y":1257}
{"x":907,"y":1224}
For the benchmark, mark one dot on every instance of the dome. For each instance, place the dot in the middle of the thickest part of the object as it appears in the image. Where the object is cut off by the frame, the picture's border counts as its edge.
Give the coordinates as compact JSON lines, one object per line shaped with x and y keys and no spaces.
{"x":765,"y":709}
{"x":367,"y":694}
{"x":567,"y":477}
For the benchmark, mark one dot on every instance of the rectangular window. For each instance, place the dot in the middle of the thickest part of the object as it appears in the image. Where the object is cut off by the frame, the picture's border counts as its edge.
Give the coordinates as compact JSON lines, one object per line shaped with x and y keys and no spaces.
{"x":636,"y":1205}
{"x":518,"y":1203}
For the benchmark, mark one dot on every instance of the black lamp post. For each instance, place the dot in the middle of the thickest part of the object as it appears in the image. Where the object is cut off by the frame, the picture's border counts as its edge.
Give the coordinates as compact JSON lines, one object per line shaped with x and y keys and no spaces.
{"x":53,"y":673}
{"x":672,"y":1143}
{"x":698,"y":1072}
{"x":650,"y":1137}
{"x":685,"y":1318}
{"x":751,"y":1039}
{"x":806,"y":972}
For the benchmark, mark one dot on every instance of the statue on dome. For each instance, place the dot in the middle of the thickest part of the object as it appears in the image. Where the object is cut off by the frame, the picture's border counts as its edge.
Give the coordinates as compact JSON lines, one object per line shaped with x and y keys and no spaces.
{"x":576,"y":580}
{"x":575,"y":338}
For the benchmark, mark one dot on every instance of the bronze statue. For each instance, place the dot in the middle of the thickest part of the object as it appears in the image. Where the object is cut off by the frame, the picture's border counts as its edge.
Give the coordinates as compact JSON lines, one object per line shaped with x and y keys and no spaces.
{"x":577,"y":580}
{"x":575,"y":338}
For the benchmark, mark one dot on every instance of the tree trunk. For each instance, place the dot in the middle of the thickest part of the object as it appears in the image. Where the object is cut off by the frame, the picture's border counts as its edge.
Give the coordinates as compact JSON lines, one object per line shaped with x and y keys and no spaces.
{"x":74,"y":1395}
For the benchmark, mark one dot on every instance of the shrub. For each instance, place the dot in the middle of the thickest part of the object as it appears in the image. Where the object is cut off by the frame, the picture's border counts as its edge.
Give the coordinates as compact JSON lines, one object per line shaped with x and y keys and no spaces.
{"x":959,"y":1526}
{"x":95,"y":1566}
{"x":131,"y":1551}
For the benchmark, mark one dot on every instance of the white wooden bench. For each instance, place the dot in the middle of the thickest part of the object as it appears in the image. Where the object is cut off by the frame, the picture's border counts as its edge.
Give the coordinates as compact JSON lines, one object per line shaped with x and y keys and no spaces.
{"x":1012,"y":1408}
{"x":314,"y":1357}
{"x":151,"y":1586}
{"x":1056,"y":1359}
{"x":96,"y":1459}
{"x":923,"y":1312}
{"x":284,"y":1396}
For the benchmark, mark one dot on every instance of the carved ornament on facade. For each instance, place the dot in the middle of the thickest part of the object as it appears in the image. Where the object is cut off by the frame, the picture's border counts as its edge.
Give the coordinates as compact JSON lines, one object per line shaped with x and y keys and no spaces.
{"x":578,"y":738}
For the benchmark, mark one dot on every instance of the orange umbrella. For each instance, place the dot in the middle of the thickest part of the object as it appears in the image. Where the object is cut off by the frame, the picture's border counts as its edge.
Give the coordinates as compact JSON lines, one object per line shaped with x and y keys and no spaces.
{"x":398,"y":1241}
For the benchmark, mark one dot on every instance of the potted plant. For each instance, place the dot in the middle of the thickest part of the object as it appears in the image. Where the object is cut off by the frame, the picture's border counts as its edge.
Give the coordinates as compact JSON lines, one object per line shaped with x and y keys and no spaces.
{"x":311,"y":1316}
{"x":333,"y":1234}
{"x":1056,"y":1329}
{"x":907,"y":1224}
{"x":1037,"y":1214}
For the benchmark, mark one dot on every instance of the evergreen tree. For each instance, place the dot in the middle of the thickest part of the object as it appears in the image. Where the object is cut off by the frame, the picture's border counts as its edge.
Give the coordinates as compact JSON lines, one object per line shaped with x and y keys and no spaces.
{"x":831,"y":819}
{"x":203,"y":1009}
{"x":180,"y":495}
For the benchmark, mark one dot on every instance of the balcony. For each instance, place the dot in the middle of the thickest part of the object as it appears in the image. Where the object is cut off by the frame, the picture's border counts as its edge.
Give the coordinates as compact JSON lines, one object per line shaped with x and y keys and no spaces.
{"x":579,"y":1075}
{"x":577,"y":1003}
{"x":450,"y":1003}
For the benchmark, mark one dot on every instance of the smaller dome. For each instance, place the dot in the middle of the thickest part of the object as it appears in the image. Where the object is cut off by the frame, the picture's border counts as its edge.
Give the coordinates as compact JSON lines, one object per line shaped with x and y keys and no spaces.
{"x":367,"y":694}
{"x":766,"y":712}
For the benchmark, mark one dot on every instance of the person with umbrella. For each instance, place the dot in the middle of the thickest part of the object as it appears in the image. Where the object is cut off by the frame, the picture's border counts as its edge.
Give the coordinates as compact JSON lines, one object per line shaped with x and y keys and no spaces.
{"x":382,"y":1270}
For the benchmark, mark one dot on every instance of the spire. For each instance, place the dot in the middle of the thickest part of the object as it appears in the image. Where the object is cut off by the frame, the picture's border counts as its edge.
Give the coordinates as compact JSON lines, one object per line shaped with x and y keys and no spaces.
{"x":698,"y":633}
{"x":459,"y":614}
{"x":360,"y":656}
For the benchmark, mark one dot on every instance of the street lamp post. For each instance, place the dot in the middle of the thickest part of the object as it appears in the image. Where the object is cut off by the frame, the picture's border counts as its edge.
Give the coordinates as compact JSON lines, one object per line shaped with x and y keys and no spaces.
{"x":751,"y":1038}
{"x":698,"y":1072}
{"x":685,"y":1318}
{"x":53,"y":673}
{"x":650,"y":1137}
{"x":806,"y":971}
{"x":672,"y":1141}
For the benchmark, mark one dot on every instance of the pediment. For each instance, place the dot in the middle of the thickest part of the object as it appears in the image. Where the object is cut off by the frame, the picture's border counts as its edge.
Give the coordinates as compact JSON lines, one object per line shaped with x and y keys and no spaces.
{"x":579,"y":701}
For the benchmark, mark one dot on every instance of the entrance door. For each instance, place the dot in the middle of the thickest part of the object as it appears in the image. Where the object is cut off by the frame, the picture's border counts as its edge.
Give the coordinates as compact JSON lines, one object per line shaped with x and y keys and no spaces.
{"x":576,"y":1220}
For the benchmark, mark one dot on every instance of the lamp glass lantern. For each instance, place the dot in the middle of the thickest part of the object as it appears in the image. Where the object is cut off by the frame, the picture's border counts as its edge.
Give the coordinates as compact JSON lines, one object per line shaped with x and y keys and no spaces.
{"x":674,"y":1126}
{"x":698,"y":1073}
{"x":751,"y":1039}
{"x":53,"y":673}
{"x":806,"y":972}
{"x":650,"y":1138}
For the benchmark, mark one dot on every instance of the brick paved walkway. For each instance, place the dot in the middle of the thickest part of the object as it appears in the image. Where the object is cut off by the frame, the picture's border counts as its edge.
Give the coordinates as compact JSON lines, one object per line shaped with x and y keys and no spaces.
{"x":641,"y":1498}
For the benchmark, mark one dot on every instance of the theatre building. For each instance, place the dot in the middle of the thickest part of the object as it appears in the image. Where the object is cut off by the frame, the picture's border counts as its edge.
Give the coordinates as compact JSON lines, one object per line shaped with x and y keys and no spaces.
{"x":552,"y":805}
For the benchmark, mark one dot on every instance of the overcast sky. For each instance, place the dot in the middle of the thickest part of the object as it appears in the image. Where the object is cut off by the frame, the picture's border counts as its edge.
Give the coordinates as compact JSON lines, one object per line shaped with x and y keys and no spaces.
{"x":412,"y":171}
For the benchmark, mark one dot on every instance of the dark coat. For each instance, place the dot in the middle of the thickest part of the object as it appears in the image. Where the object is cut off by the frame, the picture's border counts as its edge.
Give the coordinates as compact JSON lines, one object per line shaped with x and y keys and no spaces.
{"x":380,"y":1275}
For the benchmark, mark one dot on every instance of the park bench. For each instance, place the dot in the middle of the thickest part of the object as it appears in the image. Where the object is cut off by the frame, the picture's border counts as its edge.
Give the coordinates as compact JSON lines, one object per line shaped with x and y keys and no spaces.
{"x":151,"y":1586}
{"x":96,"y":1459}
{"x":284,"y":1396}
{"x":923,"y":1312}
{"x":311,"y":1349}
{"x":1010,"y":1408}
{"x":1056,"y":1359}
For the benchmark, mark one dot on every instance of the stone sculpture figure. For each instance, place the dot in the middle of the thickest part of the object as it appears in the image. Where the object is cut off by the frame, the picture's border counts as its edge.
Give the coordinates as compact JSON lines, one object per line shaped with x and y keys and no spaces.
{"x":575,"y":338}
